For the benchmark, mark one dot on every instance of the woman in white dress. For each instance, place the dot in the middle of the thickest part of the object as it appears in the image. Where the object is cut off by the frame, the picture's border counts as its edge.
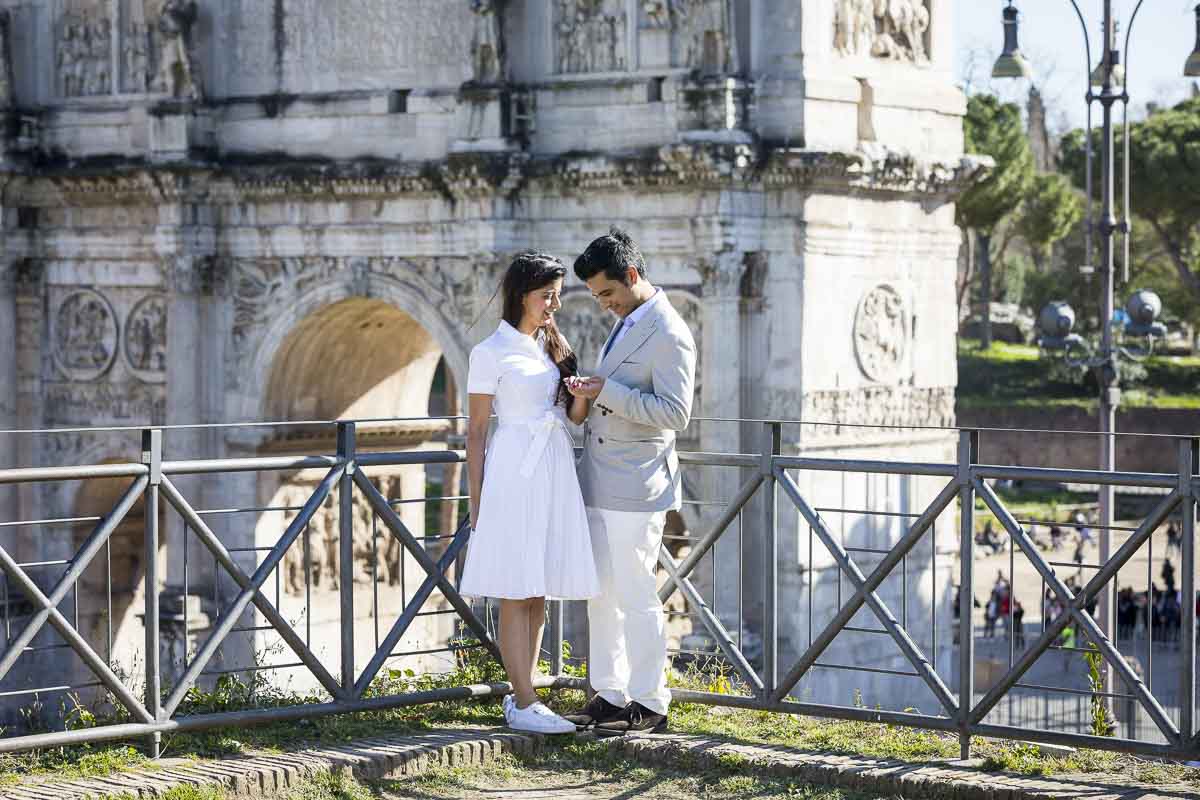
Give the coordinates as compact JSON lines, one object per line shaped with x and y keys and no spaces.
{"x":530,"y":535}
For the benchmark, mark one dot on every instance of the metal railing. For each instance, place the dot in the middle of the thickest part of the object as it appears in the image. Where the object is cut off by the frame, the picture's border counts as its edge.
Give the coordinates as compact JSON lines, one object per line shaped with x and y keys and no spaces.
{"x":768,"y":680}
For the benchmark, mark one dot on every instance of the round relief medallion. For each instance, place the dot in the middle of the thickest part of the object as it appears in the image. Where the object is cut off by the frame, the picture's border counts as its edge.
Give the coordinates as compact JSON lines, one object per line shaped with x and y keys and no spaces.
{"x":146,"y":339}
{"x":84,"y":335}
{"x":881,"y":333}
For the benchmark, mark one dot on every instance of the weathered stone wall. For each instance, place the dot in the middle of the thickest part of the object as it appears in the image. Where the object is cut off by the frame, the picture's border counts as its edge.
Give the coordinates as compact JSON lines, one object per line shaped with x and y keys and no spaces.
{"x":189,"y":189}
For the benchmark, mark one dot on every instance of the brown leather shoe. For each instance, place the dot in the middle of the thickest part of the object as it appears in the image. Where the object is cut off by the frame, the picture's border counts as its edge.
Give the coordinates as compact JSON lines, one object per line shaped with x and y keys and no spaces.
{"x":634,"y":718}
{"x":596,"y":711}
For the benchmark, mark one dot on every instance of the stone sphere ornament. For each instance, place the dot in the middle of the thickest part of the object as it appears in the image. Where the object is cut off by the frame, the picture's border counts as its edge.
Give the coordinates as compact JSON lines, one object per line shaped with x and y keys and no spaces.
{"x":881,"y":333}
{"x":1143,"y":307}
{"x":1057,"y":319}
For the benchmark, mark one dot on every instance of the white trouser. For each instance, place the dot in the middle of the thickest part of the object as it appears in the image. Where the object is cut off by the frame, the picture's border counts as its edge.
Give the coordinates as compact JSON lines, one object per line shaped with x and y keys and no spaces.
{"x":627,"y":653}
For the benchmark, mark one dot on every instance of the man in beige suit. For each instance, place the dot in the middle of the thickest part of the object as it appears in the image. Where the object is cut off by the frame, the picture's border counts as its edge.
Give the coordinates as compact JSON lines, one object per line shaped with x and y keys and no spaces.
{"x":641,"y":396}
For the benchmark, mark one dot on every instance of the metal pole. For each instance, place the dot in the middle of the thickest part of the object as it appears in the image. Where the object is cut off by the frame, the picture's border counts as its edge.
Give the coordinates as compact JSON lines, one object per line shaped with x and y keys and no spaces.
{"x":1189,"y":465}
{"x":152,"y":458}
{"x":345,"y":451}
{"x":772,"y":435}
{"x":1106,"y":372}
{"x":968,"y":452}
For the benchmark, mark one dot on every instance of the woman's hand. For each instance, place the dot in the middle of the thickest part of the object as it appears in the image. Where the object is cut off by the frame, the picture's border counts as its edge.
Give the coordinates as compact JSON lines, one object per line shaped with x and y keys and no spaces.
{"x":585,"y":388}
{"x":577,"y":409}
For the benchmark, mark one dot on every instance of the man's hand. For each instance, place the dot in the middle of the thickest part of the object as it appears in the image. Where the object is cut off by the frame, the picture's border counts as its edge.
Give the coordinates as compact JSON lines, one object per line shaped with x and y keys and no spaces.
{"x":587,"y":388}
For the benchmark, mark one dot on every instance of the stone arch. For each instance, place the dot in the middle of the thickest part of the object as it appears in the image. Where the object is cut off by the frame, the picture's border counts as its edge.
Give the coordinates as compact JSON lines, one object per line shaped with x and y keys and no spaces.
{"x":355,"y":358}
{"x":422,"y":306}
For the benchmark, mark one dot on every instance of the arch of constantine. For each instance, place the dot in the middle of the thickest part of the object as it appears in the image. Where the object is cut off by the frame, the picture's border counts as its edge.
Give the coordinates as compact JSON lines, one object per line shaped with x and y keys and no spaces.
{"x":248,"y":211}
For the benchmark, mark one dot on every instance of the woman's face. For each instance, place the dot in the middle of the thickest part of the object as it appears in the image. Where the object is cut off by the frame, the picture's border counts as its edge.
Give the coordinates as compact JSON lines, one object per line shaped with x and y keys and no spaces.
{"x":540,"y":304}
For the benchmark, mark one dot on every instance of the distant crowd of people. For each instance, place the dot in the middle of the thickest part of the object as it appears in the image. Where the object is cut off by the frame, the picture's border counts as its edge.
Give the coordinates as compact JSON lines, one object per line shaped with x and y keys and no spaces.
{"x":1156,"y":611}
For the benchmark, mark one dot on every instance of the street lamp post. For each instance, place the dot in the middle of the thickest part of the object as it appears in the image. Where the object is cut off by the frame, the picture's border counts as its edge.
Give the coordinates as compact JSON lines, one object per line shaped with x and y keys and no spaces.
{"x":1057,"y":319}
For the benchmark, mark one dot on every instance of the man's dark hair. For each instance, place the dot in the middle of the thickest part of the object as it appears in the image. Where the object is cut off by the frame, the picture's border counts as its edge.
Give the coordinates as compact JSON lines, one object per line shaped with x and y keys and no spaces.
{"x":613,"y":255}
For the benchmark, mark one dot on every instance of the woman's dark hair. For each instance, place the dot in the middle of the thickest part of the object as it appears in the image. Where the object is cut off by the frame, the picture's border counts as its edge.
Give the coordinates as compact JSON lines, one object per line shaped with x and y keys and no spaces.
{"x":527,"y":273}
{"x":613,"y":255}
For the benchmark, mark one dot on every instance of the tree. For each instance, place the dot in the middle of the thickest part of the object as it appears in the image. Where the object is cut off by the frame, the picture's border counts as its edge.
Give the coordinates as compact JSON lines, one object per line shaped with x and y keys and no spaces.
{"x":1164,"y":161}
{"x":992,"y":128}
{"x":1050,"y":211}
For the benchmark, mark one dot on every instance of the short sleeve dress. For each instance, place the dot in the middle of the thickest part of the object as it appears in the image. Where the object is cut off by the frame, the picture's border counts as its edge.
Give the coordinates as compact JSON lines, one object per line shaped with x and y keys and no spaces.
{"x":531,"y":537}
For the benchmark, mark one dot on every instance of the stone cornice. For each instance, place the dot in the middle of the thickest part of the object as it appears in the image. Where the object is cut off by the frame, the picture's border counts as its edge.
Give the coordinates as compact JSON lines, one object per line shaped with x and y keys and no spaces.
{"x":877,"y":169}
{"x":124,"y":186}
{"x":708,"y":164}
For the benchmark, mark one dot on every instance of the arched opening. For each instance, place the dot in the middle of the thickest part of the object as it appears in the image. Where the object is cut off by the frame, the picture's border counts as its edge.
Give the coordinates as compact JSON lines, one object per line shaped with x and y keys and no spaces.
{"x":359,"y":358}
{"x":366,"y":360}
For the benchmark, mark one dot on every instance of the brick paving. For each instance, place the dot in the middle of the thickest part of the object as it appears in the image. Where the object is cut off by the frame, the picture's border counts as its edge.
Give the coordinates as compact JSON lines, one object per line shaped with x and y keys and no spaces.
{"x":267,"y":775}
{"x":405,"y":755}
{"x":936,"y":779}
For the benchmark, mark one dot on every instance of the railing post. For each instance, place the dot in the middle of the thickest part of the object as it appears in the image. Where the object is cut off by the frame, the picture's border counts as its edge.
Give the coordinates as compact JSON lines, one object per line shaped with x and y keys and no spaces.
{"x":772,"y":435}
{"x":556,"y":637}
{"x":968,"y":454}
{"x":346,"y":454}
{"x":152,"y":458}
{"x":1189,"y":467}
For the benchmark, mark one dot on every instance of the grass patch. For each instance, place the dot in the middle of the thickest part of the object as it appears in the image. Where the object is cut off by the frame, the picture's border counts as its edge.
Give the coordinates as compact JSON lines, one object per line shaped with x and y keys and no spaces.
{"x":590,"y":762}
{"x":81,"y":761}
{"x":1014,"y":375}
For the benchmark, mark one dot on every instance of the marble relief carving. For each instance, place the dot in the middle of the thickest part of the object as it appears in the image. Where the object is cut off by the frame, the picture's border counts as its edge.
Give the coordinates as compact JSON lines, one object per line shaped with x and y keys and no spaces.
{"x":703,"y":35}
{"x":885,"y":406}
{"x":96,"y":402}
{"x":176,"y":74}
{"x":83,"y":51}
{"x":892,"y":29}
{"x":379,"y":559}
{"x":586,"y":327}
{"x":84,"y":335}
{"x":145,"y":339}
{"x":591,"y":35}
{"x":487,"y":64}
{"x":881,"y":333}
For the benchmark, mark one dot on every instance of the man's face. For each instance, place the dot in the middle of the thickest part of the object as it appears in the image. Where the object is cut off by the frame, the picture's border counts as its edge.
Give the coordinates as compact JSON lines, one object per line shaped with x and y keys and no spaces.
{"x":615,"y":296}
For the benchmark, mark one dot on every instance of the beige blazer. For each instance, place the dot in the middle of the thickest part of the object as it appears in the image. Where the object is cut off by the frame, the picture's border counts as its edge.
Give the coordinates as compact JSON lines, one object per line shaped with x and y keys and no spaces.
{"x":629,"y":461}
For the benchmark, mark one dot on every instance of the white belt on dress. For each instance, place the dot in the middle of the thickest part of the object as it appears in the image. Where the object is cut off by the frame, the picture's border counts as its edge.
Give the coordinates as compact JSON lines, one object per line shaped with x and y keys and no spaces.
{"x":542,"y":426}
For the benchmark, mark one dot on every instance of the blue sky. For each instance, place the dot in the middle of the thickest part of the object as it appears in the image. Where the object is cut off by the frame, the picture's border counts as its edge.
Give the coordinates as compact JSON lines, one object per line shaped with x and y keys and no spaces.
{"x":1051,"y":37}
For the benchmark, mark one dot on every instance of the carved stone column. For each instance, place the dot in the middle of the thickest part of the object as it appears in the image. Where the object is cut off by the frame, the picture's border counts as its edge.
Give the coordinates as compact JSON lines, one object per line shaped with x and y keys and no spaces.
{"x":8,"y":377}
{"x":29,"y":297}
{"x":721,"y":397}
{"x":190,"y":367}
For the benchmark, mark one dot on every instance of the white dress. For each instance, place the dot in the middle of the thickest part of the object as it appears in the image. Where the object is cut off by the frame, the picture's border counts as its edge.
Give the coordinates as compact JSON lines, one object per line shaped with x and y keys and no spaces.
{"x":531,"y":538}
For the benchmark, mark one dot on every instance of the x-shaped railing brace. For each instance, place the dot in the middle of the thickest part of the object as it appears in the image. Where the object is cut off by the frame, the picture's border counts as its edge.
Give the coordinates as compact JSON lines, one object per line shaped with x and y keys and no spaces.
{"x":436,"y":578}
{"x":678,"y":573}
{"x":1075,"y":605}
{"x":250,"y":592}
{"x":205,"y":534}
{"x":865,"y":593}
{"x":49,"y":604}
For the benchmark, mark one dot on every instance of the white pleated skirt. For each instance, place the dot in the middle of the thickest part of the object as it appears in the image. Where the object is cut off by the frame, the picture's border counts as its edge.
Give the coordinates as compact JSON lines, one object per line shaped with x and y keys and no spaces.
{"x":531,"y":538}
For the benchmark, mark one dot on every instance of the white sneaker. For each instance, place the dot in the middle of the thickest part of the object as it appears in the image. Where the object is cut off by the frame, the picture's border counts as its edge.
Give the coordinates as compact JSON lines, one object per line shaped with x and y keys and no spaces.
{"x":537,"y":719}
